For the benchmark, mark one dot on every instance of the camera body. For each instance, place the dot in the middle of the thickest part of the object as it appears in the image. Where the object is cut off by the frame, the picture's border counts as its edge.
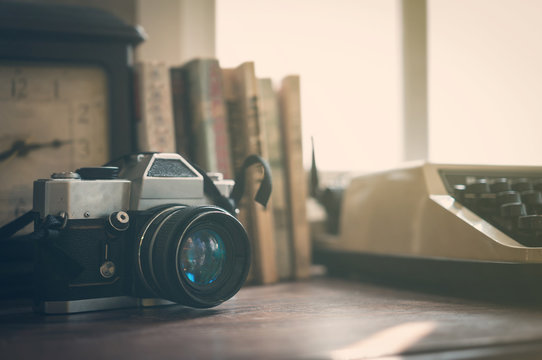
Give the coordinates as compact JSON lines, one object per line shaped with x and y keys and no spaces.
{"x":145,"y":236}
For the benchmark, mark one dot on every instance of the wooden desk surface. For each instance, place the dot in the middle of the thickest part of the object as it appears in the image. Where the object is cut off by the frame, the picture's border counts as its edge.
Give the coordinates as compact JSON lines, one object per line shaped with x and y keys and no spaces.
{"x":321,"y":318}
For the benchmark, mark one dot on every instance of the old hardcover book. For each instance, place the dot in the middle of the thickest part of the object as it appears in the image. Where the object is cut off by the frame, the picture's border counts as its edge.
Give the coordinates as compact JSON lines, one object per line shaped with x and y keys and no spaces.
{"x":246,"y":136}
{"x":210,"y":147}
{"x":269,"y":114}
{"x":155,"y":127}
{"x":181,"y":112}
{"x":296,"y":182}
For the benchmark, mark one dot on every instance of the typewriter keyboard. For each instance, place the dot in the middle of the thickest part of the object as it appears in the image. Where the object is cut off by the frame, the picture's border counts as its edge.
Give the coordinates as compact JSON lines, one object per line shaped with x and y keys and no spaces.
{"x":510,"y":202}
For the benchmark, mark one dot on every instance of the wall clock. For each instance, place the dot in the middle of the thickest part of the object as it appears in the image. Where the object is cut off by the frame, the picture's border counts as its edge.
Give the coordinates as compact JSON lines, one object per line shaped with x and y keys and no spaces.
{"x":65,"y":94}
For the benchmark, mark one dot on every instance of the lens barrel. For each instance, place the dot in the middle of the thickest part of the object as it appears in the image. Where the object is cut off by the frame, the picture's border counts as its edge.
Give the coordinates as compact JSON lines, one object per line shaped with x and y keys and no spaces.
{"x":196,"y":256}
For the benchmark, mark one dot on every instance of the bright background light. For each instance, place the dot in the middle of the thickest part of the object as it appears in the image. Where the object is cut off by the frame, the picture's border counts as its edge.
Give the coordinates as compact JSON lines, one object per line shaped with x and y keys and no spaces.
{"x":485,"y":81}
{"x":348,"y":56}
{"x":484,"y":75}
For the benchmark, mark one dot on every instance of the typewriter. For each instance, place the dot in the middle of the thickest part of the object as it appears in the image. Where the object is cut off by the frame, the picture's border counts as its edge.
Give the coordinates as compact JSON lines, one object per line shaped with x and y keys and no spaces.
{"x":460,"y":227}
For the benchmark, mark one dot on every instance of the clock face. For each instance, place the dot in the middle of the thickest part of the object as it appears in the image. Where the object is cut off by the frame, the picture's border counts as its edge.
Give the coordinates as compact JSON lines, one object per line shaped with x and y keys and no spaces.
{"x":53,"y":118}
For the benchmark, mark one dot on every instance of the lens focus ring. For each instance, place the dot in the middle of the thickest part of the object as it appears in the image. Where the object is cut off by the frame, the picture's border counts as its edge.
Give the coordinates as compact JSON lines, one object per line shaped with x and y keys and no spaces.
{"x":198,"y":256}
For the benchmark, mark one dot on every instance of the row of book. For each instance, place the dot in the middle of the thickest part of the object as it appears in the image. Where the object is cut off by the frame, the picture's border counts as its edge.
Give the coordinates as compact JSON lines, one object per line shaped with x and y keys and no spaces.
{"x":216,"y":117}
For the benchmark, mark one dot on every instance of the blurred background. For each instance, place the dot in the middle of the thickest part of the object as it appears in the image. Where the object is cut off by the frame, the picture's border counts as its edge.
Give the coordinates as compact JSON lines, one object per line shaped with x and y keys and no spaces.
{"x":382,"y":81}
{"x":387,"y":80}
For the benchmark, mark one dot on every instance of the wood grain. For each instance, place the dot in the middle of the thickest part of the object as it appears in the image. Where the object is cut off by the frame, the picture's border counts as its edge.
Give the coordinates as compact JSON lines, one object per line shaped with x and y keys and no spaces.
{"x":321,"y":318}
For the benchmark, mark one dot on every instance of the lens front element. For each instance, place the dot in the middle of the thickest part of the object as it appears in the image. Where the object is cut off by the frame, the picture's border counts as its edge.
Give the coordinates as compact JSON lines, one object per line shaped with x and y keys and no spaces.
{"x":202,"y":256}
{"x":197,"y":256}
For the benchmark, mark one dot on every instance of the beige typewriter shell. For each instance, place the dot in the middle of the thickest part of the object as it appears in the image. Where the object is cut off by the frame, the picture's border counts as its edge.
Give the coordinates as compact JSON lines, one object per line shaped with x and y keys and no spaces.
{"x":408,"y":212}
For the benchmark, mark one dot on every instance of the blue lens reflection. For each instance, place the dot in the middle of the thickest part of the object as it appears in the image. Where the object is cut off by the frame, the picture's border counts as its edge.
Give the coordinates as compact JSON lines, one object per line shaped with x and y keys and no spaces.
{"x":202,"y":256}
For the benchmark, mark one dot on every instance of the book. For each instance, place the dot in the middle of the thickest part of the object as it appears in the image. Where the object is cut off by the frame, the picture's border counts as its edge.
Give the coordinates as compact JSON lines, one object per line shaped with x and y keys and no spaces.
{"x":246,"y":136}
{"x":154,"y":114}
{"x":296,"y":182}
{"x":209,"y":140}
{"x":269,"y":113}
{"x":181,"y":112}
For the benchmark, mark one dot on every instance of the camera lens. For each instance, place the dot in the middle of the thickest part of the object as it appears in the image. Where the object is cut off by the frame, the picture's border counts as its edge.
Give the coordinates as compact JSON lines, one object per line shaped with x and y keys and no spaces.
{"x":203,"y":255}
{"x":197,"y":256}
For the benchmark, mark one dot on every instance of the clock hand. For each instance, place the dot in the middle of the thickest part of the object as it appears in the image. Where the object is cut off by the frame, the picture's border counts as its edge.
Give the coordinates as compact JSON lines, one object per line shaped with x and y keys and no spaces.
{"x":52,"y":144}
{"x":18,"y":144}
{"x":21,"y":148}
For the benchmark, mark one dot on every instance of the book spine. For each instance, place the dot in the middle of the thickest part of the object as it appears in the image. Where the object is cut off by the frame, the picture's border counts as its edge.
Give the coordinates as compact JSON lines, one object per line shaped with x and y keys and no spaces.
{"x":246,"y":135}
{"x":217,"y":111}
{"x":209,"y":123}
{"x":269,"y":114}
{"x":155,"y":126}
{"x":296,"y":183}
{"x":181,"y":112}
{"x":238,"y":150}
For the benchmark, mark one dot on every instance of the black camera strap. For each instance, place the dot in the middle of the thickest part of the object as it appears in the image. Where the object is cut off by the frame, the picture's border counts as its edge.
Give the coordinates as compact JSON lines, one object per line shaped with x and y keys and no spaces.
{"x":14,"y":226}
{"x":264,"y":191}
{"x":48,"y":228}
{"x":210,"y":189}
{"x":230,"y":204}
{"x":19,"y":250}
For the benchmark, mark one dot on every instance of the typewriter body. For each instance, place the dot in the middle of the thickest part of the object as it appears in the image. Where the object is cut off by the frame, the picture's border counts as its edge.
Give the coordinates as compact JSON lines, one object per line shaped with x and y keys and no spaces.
{"x":455,"y":225}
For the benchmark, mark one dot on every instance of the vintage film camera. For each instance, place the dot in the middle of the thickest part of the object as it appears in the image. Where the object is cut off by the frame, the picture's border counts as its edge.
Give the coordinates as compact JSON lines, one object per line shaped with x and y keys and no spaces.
{"x":145,"y":236}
